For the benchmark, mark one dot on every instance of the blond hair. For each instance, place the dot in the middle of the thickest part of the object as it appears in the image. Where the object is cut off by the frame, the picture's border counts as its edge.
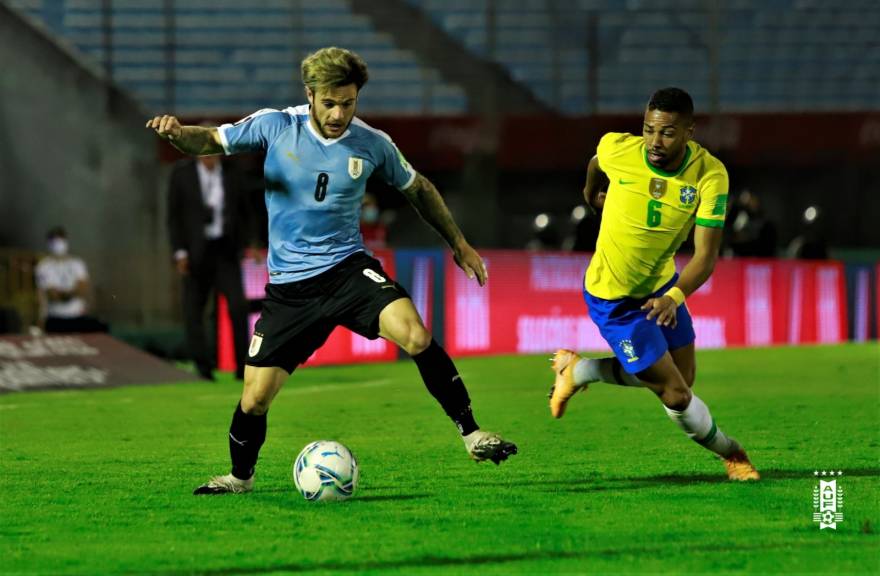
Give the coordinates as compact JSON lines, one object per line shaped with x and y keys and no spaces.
{"x":333,"y":67}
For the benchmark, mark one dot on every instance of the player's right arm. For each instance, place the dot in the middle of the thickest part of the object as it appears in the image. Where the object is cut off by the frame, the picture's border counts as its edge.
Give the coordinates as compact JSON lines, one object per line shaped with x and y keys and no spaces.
{"x":594,"y":195}
{"x":192,"y":140}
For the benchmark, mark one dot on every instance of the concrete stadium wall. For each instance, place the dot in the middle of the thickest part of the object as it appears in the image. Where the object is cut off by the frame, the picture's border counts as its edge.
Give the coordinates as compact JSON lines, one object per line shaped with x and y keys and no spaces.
{"x":74,"y":151}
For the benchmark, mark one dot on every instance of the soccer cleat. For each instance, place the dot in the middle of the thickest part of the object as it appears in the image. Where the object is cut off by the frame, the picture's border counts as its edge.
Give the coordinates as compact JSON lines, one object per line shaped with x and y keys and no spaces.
{"x":488,"y":446}
{"x":564,"y":387}
{"x":739,"y":468}
{"x":227,"y":484}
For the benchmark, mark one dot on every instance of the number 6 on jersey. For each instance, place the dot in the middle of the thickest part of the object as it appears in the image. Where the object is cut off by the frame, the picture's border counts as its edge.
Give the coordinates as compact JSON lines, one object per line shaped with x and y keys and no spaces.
{"x":654,"y":213}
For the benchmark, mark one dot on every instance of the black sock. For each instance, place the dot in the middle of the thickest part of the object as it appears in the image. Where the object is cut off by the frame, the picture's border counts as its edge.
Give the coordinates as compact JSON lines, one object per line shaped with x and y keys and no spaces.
{"x":246,"y":436}
{"x":443,"y":382}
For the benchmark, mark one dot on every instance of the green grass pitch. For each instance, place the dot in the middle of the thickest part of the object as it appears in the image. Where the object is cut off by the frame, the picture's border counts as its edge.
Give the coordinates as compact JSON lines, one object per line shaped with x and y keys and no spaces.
{"x":99,"y":482}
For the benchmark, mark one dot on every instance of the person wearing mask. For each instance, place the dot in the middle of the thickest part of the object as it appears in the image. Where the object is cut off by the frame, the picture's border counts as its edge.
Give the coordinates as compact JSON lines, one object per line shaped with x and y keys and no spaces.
{"x":63,"y":289}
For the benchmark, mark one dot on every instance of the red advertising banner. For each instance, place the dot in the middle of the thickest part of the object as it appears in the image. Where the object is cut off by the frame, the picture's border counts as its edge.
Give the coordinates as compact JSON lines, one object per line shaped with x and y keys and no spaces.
{"x":533,"y":303}
{"x":342,"y":347}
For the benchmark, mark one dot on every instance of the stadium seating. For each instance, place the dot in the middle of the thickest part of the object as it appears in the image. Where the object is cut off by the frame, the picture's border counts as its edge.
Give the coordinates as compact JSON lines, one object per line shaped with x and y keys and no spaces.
{"x":233,"y":56}
{"x":771,"y":55}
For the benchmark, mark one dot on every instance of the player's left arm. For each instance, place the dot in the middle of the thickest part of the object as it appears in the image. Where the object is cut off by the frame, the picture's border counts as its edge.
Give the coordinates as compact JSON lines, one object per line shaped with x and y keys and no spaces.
{"x":425,"y":198}
{"x":707,"y":244}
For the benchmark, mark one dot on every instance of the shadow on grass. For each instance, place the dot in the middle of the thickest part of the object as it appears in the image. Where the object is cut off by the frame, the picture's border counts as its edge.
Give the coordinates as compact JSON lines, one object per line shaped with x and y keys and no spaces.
{"x":477,"y":559}
{"x":388,"y":497}
{"x":610,"y":484}
{"x":357,"y":498}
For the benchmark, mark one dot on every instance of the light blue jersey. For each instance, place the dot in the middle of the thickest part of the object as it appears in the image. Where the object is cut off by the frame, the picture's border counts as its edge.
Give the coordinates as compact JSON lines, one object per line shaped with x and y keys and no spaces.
{"x":314,"y":186}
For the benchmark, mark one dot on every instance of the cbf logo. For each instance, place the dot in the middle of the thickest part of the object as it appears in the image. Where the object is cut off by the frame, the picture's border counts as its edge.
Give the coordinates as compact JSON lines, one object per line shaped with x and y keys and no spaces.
{"x":827,"y":500}
{"x":629,"y":350}
{"x":687,"y":194}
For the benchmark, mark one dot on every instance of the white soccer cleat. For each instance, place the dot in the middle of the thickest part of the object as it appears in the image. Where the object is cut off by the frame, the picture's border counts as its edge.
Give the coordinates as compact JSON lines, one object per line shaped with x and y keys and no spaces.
{"x":227,"y":484}
{"x":488,"y":446}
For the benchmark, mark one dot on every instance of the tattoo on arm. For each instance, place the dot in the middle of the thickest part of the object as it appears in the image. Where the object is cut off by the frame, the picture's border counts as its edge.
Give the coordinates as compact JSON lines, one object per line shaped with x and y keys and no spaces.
{"x":198,"y":141}
{"x":425,"y":198}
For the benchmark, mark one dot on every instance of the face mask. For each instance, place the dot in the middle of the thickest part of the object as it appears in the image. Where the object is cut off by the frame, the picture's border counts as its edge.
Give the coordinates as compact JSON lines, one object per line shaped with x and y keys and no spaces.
{"x":58,"y":246}
{"x":370,"y":214}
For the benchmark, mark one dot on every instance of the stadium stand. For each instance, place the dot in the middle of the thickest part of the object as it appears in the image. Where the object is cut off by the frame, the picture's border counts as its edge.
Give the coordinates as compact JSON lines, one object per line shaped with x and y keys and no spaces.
{"x":777,"y":55}
{"x":218,"y":57}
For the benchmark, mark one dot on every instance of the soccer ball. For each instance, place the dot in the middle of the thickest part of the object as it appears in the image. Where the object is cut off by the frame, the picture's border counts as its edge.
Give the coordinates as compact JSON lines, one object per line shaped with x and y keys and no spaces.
{"x":325,"y":470}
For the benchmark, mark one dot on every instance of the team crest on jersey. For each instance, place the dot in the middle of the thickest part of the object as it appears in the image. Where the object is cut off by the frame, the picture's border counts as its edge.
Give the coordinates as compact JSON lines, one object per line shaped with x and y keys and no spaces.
{"x":355,"y":167}
{"x":657,"y":188}
{"x":628,"y":350}
{"x":688,"y":194}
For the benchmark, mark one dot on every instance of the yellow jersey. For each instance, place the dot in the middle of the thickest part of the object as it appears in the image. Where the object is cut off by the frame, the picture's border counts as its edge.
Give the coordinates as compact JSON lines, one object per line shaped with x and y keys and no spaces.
{"x":648,"y":213}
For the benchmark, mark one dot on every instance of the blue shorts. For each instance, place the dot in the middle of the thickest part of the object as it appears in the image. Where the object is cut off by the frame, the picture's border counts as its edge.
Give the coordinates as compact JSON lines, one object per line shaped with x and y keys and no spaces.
{"x":638,"y":342}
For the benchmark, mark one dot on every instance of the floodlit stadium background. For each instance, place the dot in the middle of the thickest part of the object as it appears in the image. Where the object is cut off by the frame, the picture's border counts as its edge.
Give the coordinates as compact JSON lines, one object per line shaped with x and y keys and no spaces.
{"x":501,"y":103}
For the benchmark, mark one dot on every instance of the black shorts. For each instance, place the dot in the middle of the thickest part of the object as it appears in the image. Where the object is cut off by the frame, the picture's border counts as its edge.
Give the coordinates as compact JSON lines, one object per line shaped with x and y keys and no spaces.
{"x":298,"y":317}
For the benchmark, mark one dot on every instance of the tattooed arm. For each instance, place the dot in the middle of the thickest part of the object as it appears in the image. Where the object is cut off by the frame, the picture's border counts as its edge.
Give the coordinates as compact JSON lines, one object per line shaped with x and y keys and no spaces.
{"x":425,"y":198}
{"x":192,"y":140}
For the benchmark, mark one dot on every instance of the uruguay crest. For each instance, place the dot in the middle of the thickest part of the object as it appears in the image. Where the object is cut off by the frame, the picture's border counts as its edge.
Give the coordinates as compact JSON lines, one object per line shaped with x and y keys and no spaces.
{"x":355,"y":167}
{"x":688,"y":194}
{"x":657,"y":188}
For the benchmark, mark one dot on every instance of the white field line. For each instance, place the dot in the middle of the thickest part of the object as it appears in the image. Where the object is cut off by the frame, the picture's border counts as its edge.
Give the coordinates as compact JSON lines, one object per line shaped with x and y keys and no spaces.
{"x":71,"y":399}
{"x":314,"y":389}
{"x":69,"y":402}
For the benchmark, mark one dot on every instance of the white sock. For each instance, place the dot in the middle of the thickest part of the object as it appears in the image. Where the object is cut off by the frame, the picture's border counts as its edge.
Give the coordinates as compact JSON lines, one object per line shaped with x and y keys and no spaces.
{"x":698,"y":424}
{"x":608,"y":370}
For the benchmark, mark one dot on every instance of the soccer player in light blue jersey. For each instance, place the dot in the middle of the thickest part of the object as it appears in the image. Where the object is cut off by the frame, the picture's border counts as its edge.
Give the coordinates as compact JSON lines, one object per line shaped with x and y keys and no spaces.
{"x":318,"y":158}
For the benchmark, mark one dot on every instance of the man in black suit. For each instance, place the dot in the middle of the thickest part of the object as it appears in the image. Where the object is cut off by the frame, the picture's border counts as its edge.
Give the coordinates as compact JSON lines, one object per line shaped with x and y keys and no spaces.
{"x":209,"y":219}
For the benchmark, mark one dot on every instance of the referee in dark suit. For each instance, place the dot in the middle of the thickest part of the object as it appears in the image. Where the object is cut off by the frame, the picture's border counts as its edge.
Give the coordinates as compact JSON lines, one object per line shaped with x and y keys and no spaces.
{"x":210,"y":223}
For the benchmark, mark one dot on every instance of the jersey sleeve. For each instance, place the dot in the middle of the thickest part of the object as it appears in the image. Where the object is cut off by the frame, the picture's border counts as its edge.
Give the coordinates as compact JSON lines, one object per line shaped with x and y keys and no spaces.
{"x":391,"y":165}
{"x":41,"y":275}
{"x":253,"y":133}
{"x":713,"y":198}
{"x":609,"y":148}
{"x":80,"y":271}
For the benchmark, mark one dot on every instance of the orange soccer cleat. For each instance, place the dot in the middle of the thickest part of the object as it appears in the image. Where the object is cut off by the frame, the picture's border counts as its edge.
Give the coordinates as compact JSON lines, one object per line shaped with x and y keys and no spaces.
{"x":564,"y":387}
{"x":739,"y":468}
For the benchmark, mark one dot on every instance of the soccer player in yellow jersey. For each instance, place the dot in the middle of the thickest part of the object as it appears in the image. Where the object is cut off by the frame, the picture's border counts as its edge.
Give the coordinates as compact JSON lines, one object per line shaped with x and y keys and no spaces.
{"x":660,"y":184}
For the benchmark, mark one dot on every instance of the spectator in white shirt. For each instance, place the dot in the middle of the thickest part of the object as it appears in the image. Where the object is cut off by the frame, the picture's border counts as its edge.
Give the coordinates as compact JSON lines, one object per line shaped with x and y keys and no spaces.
{"x":63,"y":289}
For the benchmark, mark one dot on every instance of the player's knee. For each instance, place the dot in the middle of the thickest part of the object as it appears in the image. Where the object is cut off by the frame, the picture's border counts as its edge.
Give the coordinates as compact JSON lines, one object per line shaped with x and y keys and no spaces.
{"x":676,"y":396}
{"x":255,"y":403}
{"x":418,"y":340}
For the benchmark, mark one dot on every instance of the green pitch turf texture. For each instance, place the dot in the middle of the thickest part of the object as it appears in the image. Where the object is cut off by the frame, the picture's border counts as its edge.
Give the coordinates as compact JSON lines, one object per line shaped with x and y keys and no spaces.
{"x":100,"y":482}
